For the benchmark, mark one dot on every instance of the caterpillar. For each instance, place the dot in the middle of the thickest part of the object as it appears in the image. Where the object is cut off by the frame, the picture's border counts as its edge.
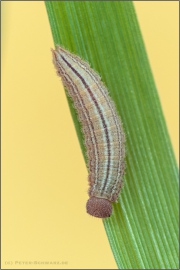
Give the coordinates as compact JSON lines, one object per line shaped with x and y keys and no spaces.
{"x":102,"y":129}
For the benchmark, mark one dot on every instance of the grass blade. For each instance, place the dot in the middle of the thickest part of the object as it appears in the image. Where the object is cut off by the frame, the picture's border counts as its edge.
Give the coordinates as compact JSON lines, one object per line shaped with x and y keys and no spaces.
{"x":143,"y":231}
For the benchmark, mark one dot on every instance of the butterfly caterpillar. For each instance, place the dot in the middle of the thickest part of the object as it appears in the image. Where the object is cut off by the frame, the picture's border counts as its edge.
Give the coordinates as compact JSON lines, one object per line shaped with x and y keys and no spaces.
{"x":102,"y":128}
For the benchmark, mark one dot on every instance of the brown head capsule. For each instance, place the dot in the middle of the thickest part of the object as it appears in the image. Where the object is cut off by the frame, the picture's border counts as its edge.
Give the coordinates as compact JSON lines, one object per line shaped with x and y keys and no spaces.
{"x":99,"y":207}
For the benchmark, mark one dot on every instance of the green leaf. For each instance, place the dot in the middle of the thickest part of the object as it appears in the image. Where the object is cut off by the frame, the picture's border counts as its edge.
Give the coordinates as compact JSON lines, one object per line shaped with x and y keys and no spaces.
{"x":143,"y":230}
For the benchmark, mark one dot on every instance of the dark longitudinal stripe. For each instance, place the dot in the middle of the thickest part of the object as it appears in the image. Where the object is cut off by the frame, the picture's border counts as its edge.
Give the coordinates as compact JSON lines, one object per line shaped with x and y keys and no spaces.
{"x":114,"y":117}
{"x":115,"y":120}
{"x":65,"y":76}
{"x":100,"y":113}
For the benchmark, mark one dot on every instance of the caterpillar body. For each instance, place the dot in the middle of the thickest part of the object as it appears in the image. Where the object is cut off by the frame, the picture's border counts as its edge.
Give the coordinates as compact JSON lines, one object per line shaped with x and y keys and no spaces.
{"x":102,"y":128}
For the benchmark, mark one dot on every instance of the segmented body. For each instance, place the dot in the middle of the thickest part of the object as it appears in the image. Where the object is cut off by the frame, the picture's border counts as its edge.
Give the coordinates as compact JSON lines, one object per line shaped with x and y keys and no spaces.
{"x":102,"y":127}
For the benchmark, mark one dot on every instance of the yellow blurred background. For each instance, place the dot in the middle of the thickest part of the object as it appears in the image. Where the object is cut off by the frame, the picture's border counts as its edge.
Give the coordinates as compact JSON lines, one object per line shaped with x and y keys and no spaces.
{"x":44,"y":222}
